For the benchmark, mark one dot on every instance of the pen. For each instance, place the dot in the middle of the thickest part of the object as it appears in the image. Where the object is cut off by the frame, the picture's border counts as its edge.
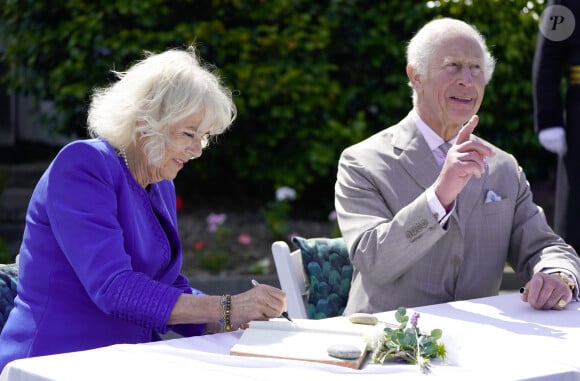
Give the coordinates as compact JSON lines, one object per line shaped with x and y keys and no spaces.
{"x":284,"y":314}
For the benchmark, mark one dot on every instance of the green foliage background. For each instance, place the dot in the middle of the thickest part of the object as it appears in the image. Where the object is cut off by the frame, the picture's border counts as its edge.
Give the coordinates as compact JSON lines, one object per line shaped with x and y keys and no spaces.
{"x":310,"y":76}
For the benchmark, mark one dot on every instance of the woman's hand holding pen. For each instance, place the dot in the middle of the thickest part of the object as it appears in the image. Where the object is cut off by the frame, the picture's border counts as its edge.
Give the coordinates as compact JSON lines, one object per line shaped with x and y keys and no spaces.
{"x":284,"y":314}
{"x":261,"y":302}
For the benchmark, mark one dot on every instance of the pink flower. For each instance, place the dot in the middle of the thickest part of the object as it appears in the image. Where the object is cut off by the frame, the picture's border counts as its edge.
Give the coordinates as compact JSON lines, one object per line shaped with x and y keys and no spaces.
{"x":244,"y":239}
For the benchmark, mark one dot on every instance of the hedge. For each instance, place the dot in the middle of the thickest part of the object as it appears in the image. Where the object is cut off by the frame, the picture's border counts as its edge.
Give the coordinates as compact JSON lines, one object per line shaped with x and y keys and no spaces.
{"x":310,"y":77}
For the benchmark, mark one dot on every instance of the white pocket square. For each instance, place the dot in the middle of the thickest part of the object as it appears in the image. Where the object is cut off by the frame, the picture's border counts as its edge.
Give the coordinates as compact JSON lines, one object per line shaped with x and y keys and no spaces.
{"x":491,"y":196}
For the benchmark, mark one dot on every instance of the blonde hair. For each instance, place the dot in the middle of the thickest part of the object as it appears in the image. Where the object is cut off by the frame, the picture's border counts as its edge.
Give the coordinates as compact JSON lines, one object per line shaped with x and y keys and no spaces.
{"x":154,"y":93}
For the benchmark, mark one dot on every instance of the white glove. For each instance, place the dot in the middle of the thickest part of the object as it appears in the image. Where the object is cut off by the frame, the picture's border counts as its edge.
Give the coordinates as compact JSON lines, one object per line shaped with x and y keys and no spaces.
{"x":554,"y":140}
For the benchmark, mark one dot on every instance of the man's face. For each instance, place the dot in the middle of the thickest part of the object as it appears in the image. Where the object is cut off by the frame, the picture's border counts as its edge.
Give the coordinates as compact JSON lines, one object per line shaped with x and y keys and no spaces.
{"x":453,"y":88}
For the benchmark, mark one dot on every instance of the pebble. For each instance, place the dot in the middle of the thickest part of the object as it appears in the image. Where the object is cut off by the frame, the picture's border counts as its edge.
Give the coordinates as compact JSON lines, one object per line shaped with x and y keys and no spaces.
{"x":343,"y":351}
{"x":363,"y":318}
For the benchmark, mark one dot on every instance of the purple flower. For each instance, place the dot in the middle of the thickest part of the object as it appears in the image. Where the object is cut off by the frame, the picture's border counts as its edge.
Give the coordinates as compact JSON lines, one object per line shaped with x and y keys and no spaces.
{"x":214,"y":220}
{"x":414,"y":319}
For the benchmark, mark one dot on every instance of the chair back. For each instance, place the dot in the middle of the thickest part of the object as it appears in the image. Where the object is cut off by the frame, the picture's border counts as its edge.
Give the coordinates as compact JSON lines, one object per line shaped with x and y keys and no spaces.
{"x":292,"y":278}
{"x":8,"y":285}
{"x":316,"y":277}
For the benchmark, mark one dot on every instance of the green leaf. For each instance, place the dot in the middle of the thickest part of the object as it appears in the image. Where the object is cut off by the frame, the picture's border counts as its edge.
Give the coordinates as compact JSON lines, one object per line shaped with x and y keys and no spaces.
{"x":436,"y":333}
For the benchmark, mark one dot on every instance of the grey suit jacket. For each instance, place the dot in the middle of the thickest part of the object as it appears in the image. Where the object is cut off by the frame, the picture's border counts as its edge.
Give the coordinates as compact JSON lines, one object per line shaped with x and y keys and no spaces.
{"x":403,"y":257}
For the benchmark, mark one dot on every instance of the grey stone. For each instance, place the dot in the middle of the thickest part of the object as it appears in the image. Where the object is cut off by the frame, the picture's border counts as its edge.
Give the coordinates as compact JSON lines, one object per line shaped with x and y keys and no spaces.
{"x":363,"y":318}
{"x":344,"y":351}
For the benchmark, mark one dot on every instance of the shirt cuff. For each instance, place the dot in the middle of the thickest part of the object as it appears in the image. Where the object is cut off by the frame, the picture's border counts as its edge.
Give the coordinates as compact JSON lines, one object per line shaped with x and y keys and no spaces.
{"x":436,"y":207}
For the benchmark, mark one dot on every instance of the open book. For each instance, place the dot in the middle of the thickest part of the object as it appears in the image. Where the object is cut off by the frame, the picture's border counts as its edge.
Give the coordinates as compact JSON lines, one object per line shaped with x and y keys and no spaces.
{"x":303,"y":339}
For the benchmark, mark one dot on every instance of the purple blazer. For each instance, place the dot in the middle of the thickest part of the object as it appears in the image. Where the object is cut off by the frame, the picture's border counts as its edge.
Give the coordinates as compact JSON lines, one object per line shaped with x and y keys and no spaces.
{"x":100,"y":259}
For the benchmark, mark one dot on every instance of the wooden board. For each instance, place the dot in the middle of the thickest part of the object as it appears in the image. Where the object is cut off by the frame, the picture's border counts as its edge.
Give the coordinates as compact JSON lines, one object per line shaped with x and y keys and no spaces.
{"x":302,"y":339}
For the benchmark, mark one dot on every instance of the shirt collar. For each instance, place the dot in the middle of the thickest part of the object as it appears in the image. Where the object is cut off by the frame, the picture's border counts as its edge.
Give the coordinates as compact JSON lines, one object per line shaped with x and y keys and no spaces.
{"x":432,"y":139}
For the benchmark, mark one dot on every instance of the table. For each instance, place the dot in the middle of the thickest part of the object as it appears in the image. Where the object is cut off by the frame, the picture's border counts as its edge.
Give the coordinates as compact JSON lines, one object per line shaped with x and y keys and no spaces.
{"x":495,"y":338}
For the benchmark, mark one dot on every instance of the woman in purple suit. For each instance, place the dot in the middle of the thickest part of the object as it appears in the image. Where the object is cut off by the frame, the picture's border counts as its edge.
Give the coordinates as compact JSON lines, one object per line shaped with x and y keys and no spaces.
{"x":100,"y":258}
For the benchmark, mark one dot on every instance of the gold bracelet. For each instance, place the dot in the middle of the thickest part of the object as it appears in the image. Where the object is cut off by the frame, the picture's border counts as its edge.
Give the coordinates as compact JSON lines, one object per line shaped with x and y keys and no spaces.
{"x":569,"y":282}
{"x":226,"y":304}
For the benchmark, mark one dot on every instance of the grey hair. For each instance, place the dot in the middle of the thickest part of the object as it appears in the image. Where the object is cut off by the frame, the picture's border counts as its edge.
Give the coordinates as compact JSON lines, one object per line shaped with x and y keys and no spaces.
{"x":157,"y":91}
{"x":421,"y":47}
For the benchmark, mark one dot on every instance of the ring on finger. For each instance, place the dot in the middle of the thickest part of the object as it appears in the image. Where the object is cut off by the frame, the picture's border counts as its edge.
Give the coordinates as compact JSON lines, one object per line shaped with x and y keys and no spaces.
{"x":562,"y":303}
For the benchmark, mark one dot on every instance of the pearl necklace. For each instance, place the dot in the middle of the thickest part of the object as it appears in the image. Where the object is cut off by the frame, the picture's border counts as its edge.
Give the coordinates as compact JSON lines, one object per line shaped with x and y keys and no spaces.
{"x":124,"y":156}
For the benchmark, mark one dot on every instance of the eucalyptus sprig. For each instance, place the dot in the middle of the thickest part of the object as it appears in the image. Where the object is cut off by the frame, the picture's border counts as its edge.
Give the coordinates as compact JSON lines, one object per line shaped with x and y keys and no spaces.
{"x":408,"y":344}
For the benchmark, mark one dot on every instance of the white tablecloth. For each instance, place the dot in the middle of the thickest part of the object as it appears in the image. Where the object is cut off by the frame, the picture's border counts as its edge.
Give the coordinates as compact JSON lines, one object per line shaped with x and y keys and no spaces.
{"x":497,"y":338}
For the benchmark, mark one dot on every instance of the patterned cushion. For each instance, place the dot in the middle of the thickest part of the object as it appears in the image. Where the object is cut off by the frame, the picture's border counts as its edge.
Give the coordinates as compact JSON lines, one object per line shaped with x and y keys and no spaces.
{"x":329,"y":273}
{"x":8,"y":283}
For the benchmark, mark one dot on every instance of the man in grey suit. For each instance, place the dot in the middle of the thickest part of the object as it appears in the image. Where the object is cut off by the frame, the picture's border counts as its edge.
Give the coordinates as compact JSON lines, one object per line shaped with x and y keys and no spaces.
{"x":425,"y":227}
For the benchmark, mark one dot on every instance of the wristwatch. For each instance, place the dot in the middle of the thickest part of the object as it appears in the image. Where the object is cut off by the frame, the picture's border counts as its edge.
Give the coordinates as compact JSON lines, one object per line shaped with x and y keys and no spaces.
{"x":569,"y":282}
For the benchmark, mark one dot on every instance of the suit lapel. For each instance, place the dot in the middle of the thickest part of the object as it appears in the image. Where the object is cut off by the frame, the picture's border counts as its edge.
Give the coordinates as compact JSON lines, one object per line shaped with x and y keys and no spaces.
{"x":416,"y":157}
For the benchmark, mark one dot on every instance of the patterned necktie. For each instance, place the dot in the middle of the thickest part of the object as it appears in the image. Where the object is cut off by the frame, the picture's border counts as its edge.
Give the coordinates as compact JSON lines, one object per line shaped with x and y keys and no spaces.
{"x":444,"y":148}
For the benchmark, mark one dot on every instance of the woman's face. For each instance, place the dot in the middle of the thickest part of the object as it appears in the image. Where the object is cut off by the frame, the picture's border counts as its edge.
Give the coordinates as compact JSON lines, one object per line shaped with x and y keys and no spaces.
{"x":186,"y":142}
